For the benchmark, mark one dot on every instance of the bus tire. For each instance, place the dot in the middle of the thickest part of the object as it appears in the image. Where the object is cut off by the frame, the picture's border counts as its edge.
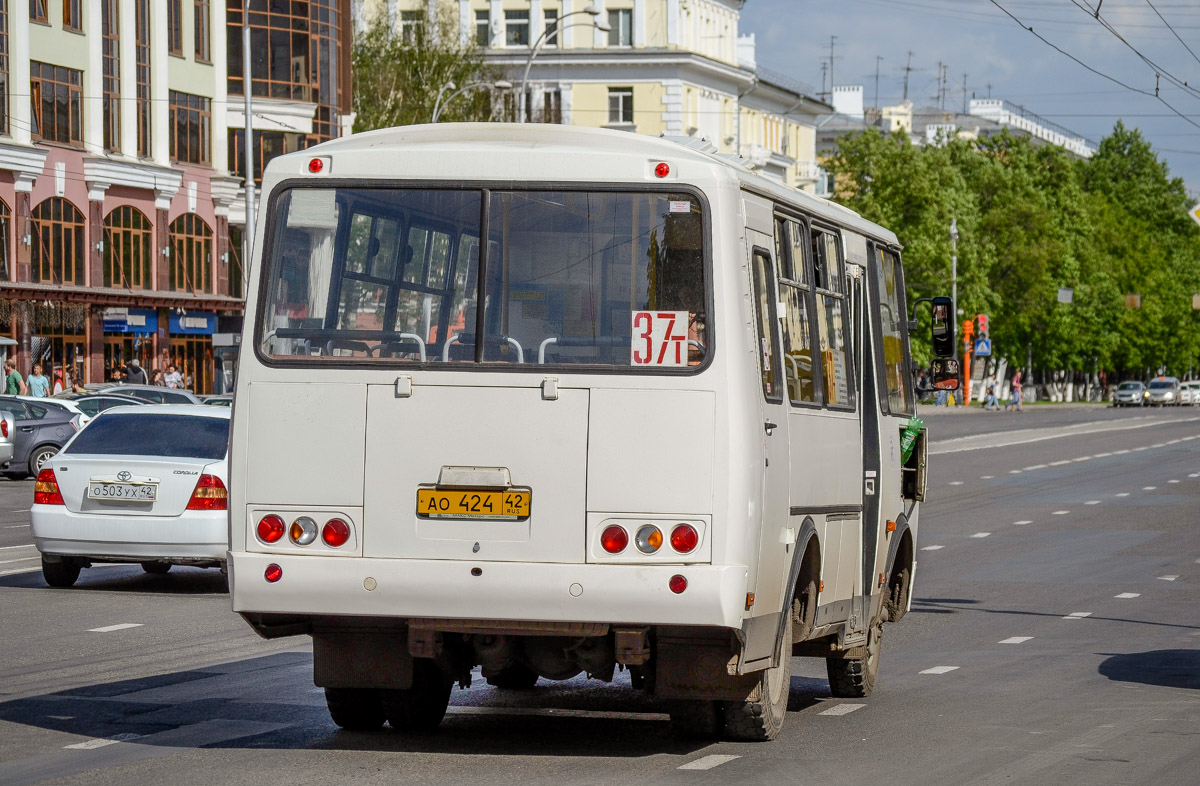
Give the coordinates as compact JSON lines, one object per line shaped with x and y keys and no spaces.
{"x":61,"y":574}
{"x":854,"y":677}
{"x":355,"y":709}
{"x":804,"y":613}
{"x":695,"y":719}
{"x":422,"y":706}
{"x":760,"y":716}
{"x":518,"y":676}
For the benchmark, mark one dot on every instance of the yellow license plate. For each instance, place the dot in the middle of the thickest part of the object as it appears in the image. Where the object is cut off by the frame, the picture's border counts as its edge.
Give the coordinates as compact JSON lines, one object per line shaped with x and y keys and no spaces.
{"x":509,"y":505}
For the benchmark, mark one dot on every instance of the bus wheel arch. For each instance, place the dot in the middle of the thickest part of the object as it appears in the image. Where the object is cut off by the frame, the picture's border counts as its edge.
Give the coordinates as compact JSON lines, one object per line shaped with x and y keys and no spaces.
{"x":899,"y":577}
{"x":806,"y":591}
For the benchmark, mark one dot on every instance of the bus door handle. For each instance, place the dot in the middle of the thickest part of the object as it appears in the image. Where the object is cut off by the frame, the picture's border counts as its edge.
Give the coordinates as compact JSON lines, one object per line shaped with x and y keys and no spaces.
{"x":769,"y":426}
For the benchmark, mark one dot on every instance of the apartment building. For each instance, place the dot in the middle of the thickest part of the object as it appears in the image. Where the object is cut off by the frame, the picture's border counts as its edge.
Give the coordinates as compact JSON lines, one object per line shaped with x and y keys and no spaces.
{"x":674,"y":67}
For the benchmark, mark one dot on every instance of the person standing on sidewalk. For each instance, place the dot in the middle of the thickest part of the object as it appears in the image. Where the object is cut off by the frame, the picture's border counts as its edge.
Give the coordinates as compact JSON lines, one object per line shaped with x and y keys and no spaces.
{"x":14,"y":383}
{"x":1015,"y":402}
{"x":39,"y":383}
{"x":134,"y":374}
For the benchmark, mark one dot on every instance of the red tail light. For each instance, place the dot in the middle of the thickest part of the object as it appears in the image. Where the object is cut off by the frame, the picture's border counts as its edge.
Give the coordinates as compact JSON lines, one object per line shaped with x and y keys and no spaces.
{"x":684,"y":538}
{"x":270,"y":528}
{"x":614,"y":539}
{"x":4,"y":426}
{"x":45,"y":490}
{"x":335,"y":532}
{"x":210,"y":494}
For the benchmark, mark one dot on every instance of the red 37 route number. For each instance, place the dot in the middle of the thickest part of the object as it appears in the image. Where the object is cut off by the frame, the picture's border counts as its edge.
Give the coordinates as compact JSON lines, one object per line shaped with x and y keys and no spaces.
{"x":659,"y":338}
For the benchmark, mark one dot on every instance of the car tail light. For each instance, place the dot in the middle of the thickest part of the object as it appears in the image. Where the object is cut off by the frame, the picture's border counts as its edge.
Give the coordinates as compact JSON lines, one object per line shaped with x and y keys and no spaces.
{"x":45,"y":490}
{"x":649,"y":539}
{"x":684,"y":538}
{"x":677,"y":584}
{"x":273,"y":573}
{"x":209,"y":494}
{"x":4,"y":426}
{"x":303,"y":531}
{"x":335,"y":532}
{"x":614,"y":539}
{"x":270,"y":528}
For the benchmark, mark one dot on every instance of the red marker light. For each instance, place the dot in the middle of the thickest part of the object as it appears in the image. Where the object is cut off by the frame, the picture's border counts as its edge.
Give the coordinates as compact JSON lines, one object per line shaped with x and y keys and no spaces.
{"x":270,"y":528}
{"x":335,"y":532}
{"x":315,"y":165}
{"x":614,"y":539}
{"x":662,"y":170}
{"x":274,"y":573}
{"x":677,"y":584}
{"x":684,"y":538}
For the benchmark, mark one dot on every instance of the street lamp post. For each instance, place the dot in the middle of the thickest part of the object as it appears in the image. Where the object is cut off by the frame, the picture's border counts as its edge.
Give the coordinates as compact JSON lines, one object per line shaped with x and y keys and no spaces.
{"x":439,"y":105}
{"x":595,"y":22}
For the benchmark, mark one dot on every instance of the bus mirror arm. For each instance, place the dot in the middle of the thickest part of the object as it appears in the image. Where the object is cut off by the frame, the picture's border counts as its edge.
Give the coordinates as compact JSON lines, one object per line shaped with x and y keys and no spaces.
{"x":941,"y":324}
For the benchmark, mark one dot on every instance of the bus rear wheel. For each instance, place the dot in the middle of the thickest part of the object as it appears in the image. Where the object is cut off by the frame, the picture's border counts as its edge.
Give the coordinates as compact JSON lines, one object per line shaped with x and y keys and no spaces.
{"x":355,"y":709}
{"x":760,"y":716}
{"x":854,"y":677}
{"x":422,"y":706}
{"x":518,"y":676}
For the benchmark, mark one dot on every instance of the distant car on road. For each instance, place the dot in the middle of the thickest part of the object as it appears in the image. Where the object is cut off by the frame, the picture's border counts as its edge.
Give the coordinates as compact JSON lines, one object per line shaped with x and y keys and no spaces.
{"x":69,"y":406}
{"x":140,"y":484}
{"x":219,"y":400}
{"x":1189,"y":393}
{"x":1131,"y":394}
{"x":95,"y":403}
{"x":1164,"y":391}
{"x":8,"y":434}
{"x":155,"y":394}
{"x":41,"y":431}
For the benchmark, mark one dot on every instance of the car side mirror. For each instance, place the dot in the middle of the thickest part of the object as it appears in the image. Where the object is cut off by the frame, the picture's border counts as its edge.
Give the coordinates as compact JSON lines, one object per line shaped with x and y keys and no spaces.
{"x":941,"y":327}
{"x":945,"y":373}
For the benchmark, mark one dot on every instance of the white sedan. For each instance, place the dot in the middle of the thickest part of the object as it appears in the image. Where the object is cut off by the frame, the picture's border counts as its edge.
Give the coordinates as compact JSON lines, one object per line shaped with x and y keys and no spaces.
{"x":140,"y":484}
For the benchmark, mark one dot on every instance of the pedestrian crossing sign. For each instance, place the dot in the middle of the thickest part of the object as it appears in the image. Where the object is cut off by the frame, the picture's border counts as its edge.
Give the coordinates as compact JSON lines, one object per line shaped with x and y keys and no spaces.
{"x":983,"y":348}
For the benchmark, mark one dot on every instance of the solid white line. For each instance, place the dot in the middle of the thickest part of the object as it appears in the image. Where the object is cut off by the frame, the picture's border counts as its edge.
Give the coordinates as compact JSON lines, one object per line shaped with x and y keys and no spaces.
{"x":1016,"y":640}
{"x":22,"y":546}
{"x":1128,"y":595}
{"x":842,"y":709}
{"x":939,"y":670}
{"x":1001,"y":439}
{"x":111,"y":628}
{"x":1167,"y":578}
{"x":981,"y":534}
{"x":708,"y":762}
{"x":1077,"y":615}
{"x":101,"y":742}
{"x":1159,"y":445}
{"x":1014,"y":472}
{"x":15,"y":526}
{"x":1022,"y":523}
{"x":1138,"y":450}
{"x":20,"y":570}
{"x":22,"y":559}
{"x":1092,"y":502}
{"x":554,"y":713}
{"x":932,"y":548}
{"x":1120,"y":452}
{"x":1061,"y":512}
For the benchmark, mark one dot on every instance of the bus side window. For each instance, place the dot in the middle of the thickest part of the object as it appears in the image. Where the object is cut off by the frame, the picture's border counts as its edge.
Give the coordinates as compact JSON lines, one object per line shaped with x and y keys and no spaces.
{"x":764,"y":319}
{"x":833,"y":322}
{"x":891,"y":327}
{"x":794,"y":294}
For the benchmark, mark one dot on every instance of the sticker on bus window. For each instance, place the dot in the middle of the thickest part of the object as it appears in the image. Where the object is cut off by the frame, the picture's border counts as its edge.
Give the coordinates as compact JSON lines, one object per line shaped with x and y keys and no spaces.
{"x":681,"y":207}
{"x":659,"y":338}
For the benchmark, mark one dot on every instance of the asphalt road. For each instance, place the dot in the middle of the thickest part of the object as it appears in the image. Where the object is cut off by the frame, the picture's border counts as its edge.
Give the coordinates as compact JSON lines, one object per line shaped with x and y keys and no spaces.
{"x":1054,"y":638}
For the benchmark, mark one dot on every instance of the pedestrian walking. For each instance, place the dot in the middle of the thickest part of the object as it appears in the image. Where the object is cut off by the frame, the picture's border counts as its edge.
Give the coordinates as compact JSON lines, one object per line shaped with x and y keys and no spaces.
{"x":1015,"y":401}
{"x":14,"y":383}
{"x":39,"y":383}
{"x":134,"y":375}
{"x":990,"y":402}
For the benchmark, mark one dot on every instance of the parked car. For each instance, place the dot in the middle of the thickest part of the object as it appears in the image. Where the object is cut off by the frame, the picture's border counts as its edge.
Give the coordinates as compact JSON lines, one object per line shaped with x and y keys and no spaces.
{"x":219,"y":400}
{"x":140,"y":485}
{"x":1131,"y":394}
{"x":1191,"y":392}
{"x":95,"y":403}
{"x":1164,"y":391}
{"x":154,"y":394}
{"x":61,"y":403}
{"x":8,"y":434}
{"x":41,"y":431}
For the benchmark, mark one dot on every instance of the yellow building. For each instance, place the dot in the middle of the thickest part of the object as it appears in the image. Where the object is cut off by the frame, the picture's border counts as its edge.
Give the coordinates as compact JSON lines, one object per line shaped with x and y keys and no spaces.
{"x":660,"y":67}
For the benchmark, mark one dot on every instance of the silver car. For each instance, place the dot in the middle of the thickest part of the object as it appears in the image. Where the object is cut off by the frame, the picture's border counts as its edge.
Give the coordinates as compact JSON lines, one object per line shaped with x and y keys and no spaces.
{"x":1190,"y":392}
{"x":1131,"y":394}
{"x":1164,"y":392}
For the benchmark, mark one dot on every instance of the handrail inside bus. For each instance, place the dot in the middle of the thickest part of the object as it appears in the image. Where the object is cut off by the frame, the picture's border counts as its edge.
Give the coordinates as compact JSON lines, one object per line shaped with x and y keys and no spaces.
{"x":512,"y":342}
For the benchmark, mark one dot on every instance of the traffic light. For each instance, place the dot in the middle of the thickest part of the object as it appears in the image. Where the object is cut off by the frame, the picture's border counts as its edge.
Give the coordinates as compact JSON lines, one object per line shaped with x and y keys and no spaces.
{"x":982,"y":321}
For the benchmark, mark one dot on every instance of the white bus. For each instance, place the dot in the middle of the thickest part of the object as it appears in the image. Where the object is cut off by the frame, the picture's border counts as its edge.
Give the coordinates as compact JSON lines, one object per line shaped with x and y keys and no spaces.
{"x":652,"y":424}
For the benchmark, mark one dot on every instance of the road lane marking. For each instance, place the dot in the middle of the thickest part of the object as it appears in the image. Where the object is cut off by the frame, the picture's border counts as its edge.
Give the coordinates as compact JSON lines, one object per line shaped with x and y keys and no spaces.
{"x":22,"y":559}
{"x":1128,"y":595}
{"x":1061,"y":512}
{"x":986,"y":477}
{"x":1138,"y":450}
{"x":709,"y":761}
{"x":1092,"y":502}
{"x":1016,"y":640}
{"x":939,"y":670}
{"x":842,"y":709}
{"x":1122,"y":494}
{"x":100,"y":742}
{"x":16,"y":526}
{"x":1035,"y":466}
{"x":557,"y":713}
{"x":956,"y":483}
{"x":1014,"y":472}
{"x":1159,"y":445}
{"x":1058,"y":463}
{"x":34,"y":569}
{"x":1025,"y":436}
{"x":1120,"y":452}
{"x":1077,"y":615}
{"x":22,"y":546}
{"x":111,"y":628}
{"x":1149,"y":488}
{"x":1167,"y":578}
{"x":1022,"y":523}
{"x":1172,"y":481}
{"x":932,"y":548}
{"x":1103,"y":455}
{"x":981,"y":534}
{"x":1194,"y":475}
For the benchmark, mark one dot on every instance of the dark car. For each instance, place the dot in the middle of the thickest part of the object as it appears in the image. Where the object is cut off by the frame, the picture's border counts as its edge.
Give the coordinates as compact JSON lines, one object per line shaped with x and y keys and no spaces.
{"x":40,"y":432}
{"x":92,"y":404}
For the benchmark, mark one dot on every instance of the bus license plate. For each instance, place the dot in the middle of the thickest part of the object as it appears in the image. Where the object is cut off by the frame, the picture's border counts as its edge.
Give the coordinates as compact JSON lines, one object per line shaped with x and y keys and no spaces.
{"x":509,"y":505}
{"x":137,"y":492}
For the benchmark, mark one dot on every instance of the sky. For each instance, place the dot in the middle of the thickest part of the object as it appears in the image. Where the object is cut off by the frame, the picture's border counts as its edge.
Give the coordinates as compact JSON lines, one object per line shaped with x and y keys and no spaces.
{"x":1001,"y":59}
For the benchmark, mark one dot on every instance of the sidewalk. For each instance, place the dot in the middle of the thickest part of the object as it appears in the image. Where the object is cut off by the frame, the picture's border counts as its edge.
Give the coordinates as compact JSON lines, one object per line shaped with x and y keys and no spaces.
{"x":928,"y":409}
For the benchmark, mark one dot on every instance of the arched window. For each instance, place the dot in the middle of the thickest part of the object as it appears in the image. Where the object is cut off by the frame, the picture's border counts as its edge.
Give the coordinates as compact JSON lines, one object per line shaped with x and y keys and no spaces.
{"x":5,"y":238}
{"x":58,"y":243}
{"x":191,"y":255}
{"x":127,"y":249}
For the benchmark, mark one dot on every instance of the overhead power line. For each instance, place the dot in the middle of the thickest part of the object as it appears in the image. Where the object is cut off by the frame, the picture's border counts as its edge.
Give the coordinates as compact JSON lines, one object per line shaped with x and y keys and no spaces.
{"x":1168,"y":24}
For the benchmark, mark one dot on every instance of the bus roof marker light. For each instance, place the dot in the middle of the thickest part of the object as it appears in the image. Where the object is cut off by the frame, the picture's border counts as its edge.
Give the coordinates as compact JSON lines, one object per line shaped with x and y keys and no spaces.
{"x":316,"y":165}
{"x":662,"y":169}
{"x":677,"y":584}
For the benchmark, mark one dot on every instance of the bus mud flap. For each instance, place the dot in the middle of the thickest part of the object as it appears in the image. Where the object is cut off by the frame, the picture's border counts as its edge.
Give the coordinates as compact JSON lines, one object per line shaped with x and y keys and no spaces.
{"x":699,"y":664}
{"x":362,"y":660}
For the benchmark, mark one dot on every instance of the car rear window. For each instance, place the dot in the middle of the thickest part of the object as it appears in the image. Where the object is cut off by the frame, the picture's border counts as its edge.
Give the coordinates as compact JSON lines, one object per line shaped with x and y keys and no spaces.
{"x":185,"y":436}
{"x":1130,"y":385}
{"x":1162,"y":385}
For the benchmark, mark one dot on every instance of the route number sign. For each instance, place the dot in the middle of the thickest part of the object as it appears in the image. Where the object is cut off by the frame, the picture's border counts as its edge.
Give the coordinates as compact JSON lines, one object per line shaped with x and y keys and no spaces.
{"x":659,"y":338}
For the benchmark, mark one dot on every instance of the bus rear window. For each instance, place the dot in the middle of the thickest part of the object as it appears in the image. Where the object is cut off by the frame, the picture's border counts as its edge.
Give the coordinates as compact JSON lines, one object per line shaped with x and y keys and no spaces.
{"x":392,"y":275}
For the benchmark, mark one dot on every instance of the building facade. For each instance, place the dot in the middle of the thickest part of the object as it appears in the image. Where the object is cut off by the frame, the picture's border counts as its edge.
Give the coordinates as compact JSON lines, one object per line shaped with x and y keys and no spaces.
{"x":660,"y":67}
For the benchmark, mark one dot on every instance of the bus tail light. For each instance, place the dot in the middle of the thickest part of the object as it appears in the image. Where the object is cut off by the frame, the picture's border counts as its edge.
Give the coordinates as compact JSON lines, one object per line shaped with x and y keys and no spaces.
{"x":614,"y":539}
{"x":270,"y":528}
{"x":684,"y":538}
{"x":209,"y":494}
{"x":45,"y":490}
{"x":677,"y":584}
{"x":335,"y":533}
{"x":303,"y":531}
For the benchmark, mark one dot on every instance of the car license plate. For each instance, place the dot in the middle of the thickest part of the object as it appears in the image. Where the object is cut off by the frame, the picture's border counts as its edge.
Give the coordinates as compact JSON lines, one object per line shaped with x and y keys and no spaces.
{"x":136,"y":492}
{"x":509,"y":505}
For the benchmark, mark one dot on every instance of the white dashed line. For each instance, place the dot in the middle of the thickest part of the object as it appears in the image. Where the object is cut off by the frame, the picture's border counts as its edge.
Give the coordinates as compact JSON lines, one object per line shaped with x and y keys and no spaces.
{"x":842,"y":709}
{"x":956,"y":483}
{"x":1159,"y":445}
{"x":1014,"y":472}
{"x":101,"y":742}
{"x":1194,"y":475}
{"x":1172,"y":481}
{"x":939,"y":670}
{"x":1035,"y":466}
{"x":1120,"y":452}
{"x":1149,"y":488}
{"x":1077,"y":615}
{"x":1016,"y":640}
{"x":981,"y":534}
{"x":1058,"y":463}
{"x":708,"y":762}
{"x":1122,"y":494}
{"x":1167,"y":578}
{"x":1092,"y":502}
{"x":1103,"y":455}
{"x":16,"y":526}
{"x":111,"y":628}
{"x":1061,"y":512}
{"x":932,"y":548}
{"x":1128,"y":595}
{"x":1139,"y":450}
{"x":1022,"y":523}
{"x":981,"y":477}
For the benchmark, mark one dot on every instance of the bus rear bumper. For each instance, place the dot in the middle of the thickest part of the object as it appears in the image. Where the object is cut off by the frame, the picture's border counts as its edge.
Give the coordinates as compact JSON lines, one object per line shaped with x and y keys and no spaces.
{"x":524,"y":591}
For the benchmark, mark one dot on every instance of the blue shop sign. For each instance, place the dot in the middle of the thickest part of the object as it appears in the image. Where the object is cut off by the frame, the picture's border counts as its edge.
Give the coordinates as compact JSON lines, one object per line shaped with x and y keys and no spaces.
{"x":130,"y":320}
{"x":193,"y":324}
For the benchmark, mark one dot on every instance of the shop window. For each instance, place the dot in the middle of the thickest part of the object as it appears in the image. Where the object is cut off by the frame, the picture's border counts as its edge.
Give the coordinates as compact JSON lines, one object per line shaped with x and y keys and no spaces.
{"x":57,"y":243}
{"x":128,"y":247}
{"x":190,"y":268}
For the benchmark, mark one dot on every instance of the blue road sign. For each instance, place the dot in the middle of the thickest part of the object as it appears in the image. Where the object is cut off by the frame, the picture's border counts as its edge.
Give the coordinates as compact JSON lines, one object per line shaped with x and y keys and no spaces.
{"x":983,"y":348}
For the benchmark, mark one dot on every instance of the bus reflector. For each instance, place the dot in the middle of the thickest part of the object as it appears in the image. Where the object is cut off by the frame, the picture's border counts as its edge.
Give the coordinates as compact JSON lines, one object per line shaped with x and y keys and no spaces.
{"x":684,"y":538}
{"x":335,"y":532}
{"x":891,"y":526}
{"x":614,"y":539}
{"x":210,"y":494}
{"x":45,"y":490}
{"x":677,"y":584}
{"x":273,"y":573}
{"x":270,"y":528}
